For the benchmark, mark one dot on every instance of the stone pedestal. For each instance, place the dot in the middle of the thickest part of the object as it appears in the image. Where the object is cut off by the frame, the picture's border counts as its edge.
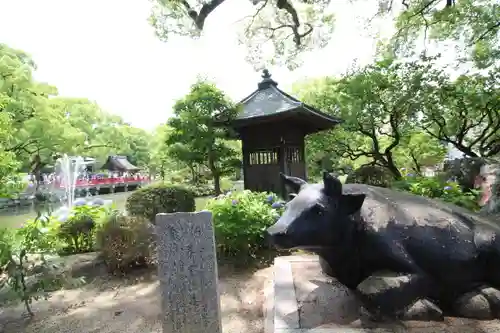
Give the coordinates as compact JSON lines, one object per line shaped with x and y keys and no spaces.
{"x":303,"y":300}
{"x":187,"y":270}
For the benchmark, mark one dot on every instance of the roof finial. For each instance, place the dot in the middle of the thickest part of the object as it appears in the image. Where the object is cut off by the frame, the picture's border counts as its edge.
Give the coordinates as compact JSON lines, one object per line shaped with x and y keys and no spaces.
{"x":266,"y":74}
{"x":266,"y":80}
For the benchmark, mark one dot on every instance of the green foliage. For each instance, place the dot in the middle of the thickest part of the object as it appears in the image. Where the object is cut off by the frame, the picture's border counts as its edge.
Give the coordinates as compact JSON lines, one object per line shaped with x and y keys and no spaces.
{"x":283,"y":29}
{"x":201,"y":190}
{"x":160,"y":198}
{"x":437,"y":187}
{"x":24,"y":267}
{"x":197,"y":139}
{"x":161,"y":162}
{"x":379,"y":105}
{"x":473,"y":24}
{"x":36,"y":124}
{"x":77,"y":232}
{"x":125,"y":242}
{"x":371,"y":175}
{"x":39,"y":235}
{"x":277,"y":33}
{"x":240,"y":219}
{"x":464,"y":112}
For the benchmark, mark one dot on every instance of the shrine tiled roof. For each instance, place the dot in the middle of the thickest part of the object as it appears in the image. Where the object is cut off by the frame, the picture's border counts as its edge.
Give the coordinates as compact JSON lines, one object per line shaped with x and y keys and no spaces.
{"x":269,"y":100}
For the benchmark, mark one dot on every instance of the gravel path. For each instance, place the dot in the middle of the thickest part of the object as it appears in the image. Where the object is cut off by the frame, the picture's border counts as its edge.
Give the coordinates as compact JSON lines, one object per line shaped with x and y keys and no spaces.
{"x":118,"y":306}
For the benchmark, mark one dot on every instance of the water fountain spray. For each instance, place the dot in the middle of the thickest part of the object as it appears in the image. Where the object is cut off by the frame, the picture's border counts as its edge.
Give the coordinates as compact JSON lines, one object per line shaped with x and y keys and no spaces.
{"x":68,"y":169}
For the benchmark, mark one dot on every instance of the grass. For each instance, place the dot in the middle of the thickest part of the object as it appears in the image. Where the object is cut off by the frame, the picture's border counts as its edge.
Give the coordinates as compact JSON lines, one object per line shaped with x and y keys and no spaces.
{"x":201,"y":203}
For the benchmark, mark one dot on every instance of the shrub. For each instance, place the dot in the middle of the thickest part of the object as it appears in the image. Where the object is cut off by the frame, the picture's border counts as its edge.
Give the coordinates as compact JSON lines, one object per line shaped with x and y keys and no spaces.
{"x":77,"y":231}
{"x":240,"y":219}
{"x":370,"y":175}
{"x":24,"y":268}
{"x":125,"y":242}
{"x":201,"y":190}
{"x":160,"y":198}
{"x":434,"y":187}
{"x":40,"y":235}
{"x":207,"y":189}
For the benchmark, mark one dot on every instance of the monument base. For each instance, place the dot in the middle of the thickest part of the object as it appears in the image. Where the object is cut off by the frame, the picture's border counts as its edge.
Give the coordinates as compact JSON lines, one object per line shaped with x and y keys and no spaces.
{"x":302,"y":299}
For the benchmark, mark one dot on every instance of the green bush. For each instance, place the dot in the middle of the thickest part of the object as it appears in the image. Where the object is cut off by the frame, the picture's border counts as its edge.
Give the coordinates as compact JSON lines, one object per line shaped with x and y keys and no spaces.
{"x":40,"y":235}
{"x":78,"y":230}
{"x":207,"y":189}
{"x":24,"y":268}
{"x":370,"y":175}
{"x":125,"y":242}
{"x":240,"y":219}
{"x":160,"y":198}
{"x":201,"y":190}
{"x":435,"y":187}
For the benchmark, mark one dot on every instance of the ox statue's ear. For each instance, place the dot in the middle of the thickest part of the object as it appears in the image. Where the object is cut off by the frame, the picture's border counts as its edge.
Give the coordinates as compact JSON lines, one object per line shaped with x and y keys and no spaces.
{"x":332,"y":185}
{"x":351,"y":203}
{"x":294,"y":183}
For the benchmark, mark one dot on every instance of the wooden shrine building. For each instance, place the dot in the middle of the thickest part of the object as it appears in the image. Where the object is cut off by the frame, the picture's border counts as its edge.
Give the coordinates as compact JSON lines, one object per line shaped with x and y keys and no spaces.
{"x":272,"y":126}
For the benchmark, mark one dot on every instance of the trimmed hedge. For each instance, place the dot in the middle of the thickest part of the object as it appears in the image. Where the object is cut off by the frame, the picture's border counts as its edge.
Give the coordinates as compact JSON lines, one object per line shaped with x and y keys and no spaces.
{"x":160,"y":198}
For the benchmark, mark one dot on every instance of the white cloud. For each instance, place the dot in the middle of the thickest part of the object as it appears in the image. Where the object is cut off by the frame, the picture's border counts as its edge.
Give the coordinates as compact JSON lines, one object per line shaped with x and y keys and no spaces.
{"x":106,"y":51}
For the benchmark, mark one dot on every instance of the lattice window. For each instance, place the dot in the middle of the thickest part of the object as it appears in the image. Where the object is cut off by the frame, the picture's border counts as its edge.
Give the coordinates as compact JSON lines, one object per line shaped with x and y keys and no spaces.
{"x":293,"y":155}
{"x":263,"y":157}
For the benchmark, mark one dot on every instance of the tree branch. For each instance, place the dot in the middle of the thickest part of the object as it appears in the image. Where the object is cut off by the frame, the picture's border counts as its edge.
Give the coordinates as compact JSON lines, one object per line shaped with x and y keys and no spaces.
{"x":206,"y":9}
{"x":490,"y":29}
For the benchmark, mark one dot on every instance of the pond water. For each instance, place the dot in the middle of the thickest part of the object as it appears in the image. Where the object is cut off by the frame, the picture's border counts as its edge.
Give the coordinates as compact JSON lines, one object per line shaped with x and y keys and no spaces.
{"x":15,"y":217}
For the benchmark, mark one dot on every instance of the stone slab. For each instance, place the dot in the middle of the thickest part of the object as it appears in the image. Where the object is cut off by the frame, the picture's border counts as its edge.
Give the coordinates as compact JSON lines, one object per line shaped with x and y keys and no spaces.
{"x":326,"y":306}
{"x":187,"y":270}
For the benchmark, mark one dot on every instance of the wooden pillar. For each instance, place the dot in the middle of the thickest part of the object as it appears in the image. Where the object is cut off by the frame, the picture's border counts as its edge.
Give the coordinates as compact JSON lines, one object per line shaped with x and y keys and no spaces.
{"x":246,"y":161}
{"x":282,"y":163}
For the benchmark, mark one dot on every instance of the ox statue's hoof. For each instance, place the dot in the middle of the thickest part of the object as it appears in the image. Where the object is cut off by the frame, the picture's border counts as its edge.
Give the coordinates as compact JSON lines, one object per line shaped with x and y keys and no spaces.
{"x":483,"y":303}
{"x":423,"y":310}
{"x":384,"y":288}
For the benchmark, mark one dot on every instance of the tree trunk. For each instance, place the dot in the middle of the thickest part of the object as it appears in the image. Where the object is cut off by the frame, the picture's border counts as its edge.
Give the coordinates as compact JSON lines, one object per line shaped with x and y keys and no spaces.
{"x":391,"y":166}
{"x":215,"y":174}
{"x":193,"y":174}
{"x":417,"y":167}
{"x":217,"y":189}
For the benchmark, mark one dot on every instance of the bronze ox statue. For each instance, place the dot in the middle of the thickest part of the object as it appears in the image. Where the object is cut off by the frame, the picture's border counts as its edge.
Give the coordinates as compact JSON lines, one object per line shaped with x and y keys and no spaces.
{"x":436,"y":253}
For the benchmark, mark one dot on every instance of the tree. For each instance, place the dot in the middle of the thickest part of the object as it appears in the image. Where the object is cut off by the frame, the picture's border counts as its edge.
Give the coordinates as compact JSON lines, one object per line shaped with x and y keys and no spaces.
{"x":291,"y":27}
{"x":379,"y":105}
{"x":9,"y":182}
{"x":419,"y":150}
{"x":465,"y":113}
{"x":137,"y":145}
{"x":36,"y":125}
{"x":160,"y":160}
{"x":196,"y":137}
{"x":472,"y":24}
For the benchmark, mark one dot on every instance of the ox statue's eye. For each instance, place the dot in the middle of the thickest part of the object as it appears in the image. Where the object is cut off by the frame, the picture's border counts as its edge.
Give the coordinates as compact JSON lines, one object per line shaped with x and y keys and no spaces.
{"x":319,"y":209}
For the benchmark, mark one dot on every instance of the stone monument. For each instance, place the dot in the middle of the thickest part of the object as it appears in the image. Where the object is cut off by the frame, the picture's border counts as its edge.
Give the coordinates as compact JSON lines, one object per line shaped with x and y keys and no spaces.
{"x":187,"y":270}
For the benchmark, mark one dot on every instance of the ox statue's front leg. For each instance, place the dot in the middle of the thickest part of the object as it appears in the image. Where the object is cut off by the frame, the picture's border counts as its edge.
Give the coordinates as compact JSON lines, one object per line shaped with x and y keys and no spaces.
{"x":394,"y":292}
{"x":391,"y":295}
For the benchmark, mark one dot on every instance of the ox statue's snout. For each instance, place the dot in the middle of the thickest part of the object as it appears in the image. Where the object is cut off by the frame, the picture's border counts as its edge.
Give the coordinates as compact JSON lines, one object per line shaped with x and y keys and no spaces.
{"x":277,"y":237}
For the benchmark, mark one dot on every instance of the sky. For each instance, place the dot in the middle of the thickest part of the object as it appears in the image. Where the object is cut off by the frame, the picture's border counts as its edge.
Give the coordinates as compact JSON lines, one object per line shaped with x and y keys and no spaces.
{"x":105,"y":50}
